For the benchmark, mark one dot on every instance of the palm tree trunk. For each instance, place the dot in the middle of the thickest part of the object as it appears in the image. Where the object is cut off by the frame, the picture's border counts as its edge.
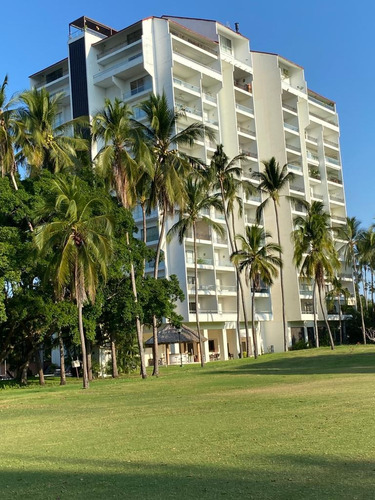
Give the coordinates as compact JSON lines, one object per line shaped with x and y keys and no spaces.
{"x":62,"y":360}
{"x":233,"y":248}
{"x":155,"y":372}
{"x":254,"y":334}
{"x":340,"y":317}
{"x":315,"y":318}
{"x":137,"y":319}
{"x":83,"y":345}
{"x":144,"y":226}
{"x":325,"y":318}
{"x":360,"y":302}
{"x":196,"y":293}
{"x":114,"y":359}
{"x":281,"y":279}
{"x":89,"y":359}
{"x":372,"y":290}
{"x":238,"y":296}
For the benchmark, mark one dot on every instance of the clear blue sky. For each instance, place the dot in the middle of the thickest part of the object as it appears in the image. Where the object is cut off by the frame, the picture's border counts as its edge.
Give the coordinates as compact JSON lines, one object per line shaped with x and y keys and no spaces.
{"x":333,"y":40}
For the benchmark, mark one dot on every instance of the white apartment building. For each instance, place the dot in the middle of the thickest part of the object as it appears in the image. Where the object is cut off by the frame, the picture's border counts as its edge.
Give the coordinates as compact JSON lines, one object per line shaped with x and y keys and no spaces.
{"x":256,"y":103}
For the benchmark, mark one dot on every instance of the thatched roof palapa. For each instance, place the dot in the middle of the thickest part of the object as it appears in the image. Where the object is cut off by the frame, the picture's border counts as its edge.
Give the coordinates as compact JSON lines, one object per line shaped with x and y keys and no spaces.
{"x":169,"y":334}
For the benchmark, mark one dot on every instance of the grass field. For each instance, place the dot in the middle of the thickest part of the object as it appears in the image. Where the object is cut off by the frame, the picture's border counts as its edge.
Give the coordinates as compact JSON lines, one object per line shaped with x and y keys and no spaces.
{"x":286,"y":426}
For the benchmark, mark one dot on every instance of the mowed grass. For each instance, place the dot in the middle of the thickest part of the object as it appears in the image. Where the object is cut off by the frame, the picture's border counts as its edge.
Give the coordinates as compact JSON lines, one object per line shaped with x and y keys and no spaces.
{"x":286,"y":426}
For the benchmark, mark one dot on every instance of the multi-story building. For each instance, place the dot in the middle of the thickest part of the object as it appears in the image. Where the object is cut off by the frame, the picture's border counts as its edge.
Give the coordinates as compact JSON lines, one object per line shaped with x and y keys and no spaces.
{"x":255,"y":103}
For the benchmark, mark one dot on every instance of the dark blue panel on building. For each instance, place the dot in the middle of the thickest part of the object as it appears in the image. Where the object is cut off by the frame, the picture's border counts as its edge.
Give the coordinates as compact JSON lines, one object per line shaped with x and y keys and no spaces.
{"x":78,"y":77}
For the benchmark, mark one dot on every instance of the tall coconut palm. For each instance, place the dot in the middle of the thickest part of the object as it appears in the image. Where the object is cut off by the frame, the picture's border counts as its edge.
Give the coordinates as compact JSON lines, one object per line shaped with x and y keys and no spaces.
{"x":315,"y":254}
{"x":352,"y":235}
{"x":225,"y":176}
{"x":338,"y":291}
{"x":260,"y":261}
{"x":197,"y":201}
{"x":121,"y":160}
{"x":273,"y":182}
{"x":77,"y":238}
{"x":42,"y":142}
{"x":366,"y":250}
{"x":7,"y":157}
{"x":170,"y":167}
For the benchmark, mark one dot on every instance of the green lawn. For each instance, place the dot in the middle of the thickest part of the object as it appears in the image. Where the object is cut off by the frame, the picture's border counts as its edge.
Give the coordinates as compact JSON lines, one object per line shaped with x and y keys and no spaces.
{"x":286,"y":426}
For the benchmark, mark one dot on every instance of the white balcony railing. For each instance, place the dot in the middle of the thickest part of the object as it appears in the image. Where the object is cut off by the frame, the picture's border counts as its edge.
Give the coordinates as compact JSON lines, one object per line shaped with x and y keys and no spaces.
{"x":186,"y":85}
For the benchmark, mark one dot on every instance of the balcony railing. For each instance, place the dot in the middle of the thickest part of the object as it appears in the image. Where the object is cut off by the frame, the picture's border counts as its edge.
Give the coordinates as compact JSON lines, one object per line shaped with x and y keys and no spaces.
{"x":336,"y":198}
{"x":335,"y":161}
{"x":338,"y":217}
{"x":117,"y":47}
{"x":317,"y":196}
{"x":291,"y":108}
{"x":295,"y":168}
{"x":245,"y":86}
{"x":138,"y":90}
{"x":336,"y":180}
{"x":311,"y":138}
{"x":291,"y":127}
{"x":331,"y":143}
{"x":188,"y":109}
{"x":213,"y":122}
{"x":299,"y":189}
{"x":202,"y":288}
{"x":293,"y":148}
{"x":194,"y":42}
{"x":187,"y":85}
{"x":200,"y":261}
{"x":195,"y":61}
{"x":209,"y":97}
{"x":306,"y":291}
{"x":327,"y":105}
{"x":312,"y":156}
{"x":249,"y":153}
{"x":253,"y":197}
{"x":224,"y":263}
{"x":246,"y":131}
{"x":227,"y":288}
{"x":246,"y":109}
{"x":333,"y":122}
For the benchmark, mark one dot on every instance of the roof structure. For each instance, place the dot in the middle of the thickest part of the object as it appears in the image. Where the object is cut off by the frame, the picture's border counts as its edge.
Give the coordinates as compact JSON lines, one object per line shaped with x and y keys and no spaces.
{"x":169,"y":334}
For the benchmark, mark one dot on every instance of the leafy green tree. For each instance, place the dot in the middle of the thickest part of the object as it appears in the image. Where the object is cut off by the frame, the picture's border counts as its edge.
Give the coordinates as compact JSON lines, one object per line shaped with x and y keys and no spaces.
{"x":170,"y":167}
{"x":77,"y":237}
{"x":197,"y":201}
{"x":273,"y":181}
{"x":315,"y":254}
{"x":257,"y":258}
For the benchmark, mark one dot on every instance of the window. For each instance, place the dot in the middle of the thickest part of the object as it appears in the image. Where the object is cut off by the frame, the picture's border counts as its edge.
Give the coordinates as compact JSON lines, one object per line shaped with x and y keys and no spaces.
{"x":192,"y":307}
{"x":225,"y":44}
{"x":137,"y":86}
{"x":211,"y":345}
{"x":54,"y":75}
{"x":152,"y":234}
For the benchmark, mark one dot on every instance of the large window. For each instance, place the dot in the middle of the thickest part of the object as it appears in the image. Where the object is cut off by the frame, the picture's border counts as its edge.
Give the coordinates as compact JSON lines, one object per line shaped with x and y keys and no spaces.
{"x":137,"y":86}
{"x":225,"y":44}
{"x":152,"y":234}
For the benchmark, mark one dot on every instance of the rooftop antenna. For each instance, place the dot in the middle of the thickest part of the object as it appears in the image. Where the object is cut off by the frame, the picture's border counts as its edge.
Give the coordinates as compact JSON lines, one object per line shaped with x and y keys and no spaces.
{"x":237,"y":27}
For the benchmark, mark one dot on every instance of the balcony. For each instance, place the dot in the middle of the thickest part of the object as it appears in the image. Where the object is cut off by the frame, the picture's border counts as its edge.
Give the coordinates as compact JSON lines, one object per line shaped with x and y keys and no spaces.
{"x":224,"y":263}
{"x":312,"y":156}
{"x":306,"y":291}
{"x":289,"y":107}
{"x":336,"y":198}
{"x":317,"y":196}
{"x":251,"y":154}
{"x":296,"y":169}
{"x":246,"y":131}
{"x":120,"y":69}
{"x":297,"y":149}
{"x":289,"y":126}
{"x":333,"y":161}
{"x":201,"y":288}
{"x":224,"y":289}
{"x":314,"y":173}
{"x":247,"y":87}
{"x":210,"y":98}
{"x":194,"y":42}
{"x":331,"y":143}
{"x":142,"y":89}
{"x":244,"y":109}
{"x":297,"y":189}
{"x":200,"y":261}
{"x":332,"y":178}
{"x":311,"y":138}
{"x":187,"y":109}
{"x":325,"y":104}
{"x":186,"y":85}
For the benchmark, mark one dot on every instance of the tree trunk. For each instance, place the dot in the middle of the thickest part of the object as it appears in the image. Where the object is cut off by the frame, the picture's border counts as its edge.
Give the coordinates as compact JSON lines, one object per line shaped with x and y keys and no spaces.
{"x":62,"y":360}
{"x":254,"y":334}
{"x":39,"y":366}
{"x":196,"y":294}
{"x":155,"y":372}
{"x":238,"y":295}
{"x":281,"y":279}
{"x":83,"y":346}
{"x":89,"y":359}
{"x":114,"y":359}
{"x":360,"y":302}
{"x":24,"y":371}
{"x":315,"y":318}
{"x":340,"y":317}
{"x":325,"y":318}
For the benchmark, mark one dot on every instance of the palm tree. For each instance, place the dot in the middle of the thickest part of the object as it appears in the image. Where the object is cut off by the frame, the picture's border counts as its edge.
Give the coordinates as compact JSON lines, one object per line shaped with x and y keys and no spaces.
{"x":170,"y":167}
{"x":43,"y":143}
{"x":78,"y":241}
{"x":197,"y":201}
{"x":338,"y":291}
{"x":315,"y":253}
{"x":225,"y":174}
{"x":258,"y":259}
{"x":366,"y":249}
{"x":273,"y":181}
{"x":7,"y":158}
{"x":118,"y":161}
{"x":352,"y":235}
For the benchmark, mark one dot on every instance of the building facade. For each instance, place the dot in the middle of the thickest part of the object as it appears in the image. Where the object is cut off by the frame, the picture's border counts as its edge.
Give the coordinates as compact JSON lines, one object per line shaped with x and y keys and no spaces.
{"x":255,"y":103}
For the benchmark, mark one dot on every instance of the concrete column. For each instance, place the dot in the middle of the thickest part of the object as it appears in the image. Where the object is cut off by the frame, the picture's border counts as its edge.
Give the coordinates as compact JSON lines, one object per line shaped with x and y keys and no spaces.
{"x":223,"y":347}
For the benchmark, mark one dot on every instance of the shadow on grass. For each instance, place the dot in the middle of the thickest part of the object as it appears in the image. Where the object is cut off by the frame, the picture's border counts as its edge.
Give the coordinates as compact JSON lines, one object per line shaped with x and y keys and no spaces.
{"x":303,"y":365}
{"x":268,"y":477}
